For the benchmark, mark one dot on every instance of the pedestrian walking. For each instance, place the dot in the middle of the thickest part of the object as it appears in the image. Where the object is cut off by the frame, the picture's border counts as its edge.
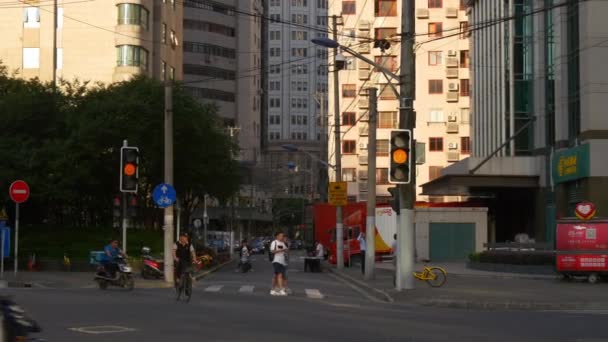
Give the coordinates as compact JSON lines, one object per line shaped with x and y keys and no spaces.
{"x":245,"y":264}
{"x":363,"y":248}
{"x":278,"y":248}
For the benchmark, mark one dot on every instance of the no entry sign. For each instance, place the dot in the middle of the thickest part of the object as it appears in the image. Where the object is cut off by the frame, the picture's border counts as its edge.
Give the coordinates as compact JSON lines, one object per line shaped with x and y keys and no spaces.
{"x":19,"y":191}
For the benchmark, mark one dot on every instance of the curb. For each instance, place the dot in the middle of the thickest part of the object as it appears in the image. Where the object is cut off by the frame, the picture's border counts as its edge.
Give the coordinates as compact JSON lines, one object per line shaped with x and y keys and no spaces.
{"x":512,"y":306}
{"x":369,"y":291}
{"x":507,"y":276}
{"x":203,"y":274}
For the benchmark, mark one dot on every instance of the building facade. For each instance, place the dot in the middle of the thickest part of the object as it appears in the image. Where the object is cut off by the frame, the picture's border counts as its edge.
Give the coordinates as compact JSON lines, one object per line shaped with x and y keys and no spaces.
{"x":100,"y":41}
{"x":223,"y":65}
{"x":296,"y":96}
{"x":442,"y":90}
{"x":538,"y":121}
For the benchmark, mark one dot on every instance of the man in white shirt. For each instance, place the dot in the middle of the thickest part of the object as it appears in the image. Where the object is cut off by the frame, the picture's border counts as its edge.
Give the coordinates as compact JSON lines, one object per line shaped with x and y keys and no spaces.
{"x":279,"y":249}
{"x":320,"y":251}
{"x":363,"y":248}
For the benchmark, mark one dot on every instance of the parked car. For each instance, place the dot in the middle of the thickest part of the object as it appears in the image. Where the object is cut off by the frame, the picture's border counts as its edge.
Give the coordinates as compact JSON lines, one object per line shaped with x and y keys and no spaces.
{"x":257,"y":246}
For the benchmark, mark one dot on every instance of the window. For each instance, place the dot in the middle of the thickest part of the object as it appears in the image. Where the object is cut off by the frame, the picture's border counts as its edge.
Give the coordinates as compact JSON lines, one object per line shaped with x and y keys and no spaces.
{"x":163,"y":71}
{"x":464,"y":29}
{"x":436,"y":115}
{"x":209,"y":49}
{"x":31,"y":17}
{"x":299,"y":52}
{"x":299,"y":19}
{"x":388,"y":120}
{"x":275,"y":102}
{"x":349,"y":119}
{"x":275,"y":18}
{"x":435,"y":29}
{"x":349,"y":90}
{"x":59,"y":58}
{"x":386,"y":8}
{"x":31,"y":58}
{"x":163,"y":37}
{"x":172,"y":75}
{"x":349,"y":175}
{"x":132,"y":14}
{"x":434,"y":172}
{"x":465,"y":145}
{"x":420,"y":153}
{"x":435,"y":3}
{"x":387,"y":93}
{"x":383,"y":33}
{"x":299,"y":35}
{"x":463,"y":5}
{"x":389,"y":62}
{"x":275,"y":35}
{"x":435,"y":57}
{"x":131,"y":55}
{"x":435,"y":86}
{"x":464,"y":87}
{"x":349,"y":7}
{"x":436,"y":144}
{"x":348,"y":146}
{"x":464,"y":59}
{"x":200,"y":25}
{"x":381,"y":176}
{"x":382,"y":148}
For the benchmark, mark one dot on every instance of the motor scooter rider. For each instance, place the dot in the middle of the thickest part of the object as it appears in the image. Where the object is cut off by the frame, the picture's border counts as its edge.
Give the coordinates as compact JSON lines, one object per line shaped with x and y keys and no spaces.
{"x":111,"y":253}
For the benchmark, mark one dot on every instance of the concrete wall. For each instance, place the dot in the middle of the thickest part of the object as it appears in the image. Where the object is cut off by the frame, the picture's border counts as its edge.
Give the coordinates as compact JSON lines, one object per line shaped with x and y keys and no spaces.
{"x":426,"y":216}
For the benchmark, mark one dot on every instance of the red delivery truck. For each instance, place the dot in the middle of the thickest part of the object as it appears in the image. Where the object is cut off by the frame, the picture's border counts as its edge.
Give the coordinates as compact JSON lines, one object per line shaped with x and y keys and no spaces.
{"x":582,"y":248}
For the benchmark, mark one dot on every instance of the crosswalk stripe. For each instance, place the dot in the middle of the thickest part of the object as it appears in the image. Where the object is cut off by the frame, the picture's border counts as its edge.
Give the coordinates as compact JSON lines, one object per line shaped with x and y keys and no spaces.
{"x":313,"y":293}
{"x":246,"y":289}
{"x":214,"y":288}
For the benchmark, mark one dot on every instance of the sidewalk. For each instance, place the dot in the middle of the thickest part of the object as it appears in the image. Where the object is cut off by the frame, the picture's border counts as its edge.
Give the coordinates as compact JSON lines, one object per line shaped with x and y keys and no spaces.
{"x":489,"y":292}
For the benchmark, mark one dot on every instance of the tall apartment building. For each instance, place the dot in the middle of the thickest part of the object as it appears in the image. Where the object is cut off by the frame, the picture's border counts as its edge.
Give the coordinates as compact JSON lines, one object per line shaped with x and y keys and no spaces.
{"x":539,"y":124}
{"x":442,"y":89}
{"x":100,"y":41}
{"x":222,"y":50}
{"x":296,"y":96}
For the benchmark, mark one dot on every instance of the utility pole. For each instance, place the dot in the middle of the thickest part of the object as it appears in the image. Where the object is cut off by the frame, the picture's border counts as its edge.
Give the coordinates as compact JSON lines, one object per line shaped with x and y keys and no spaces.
{"x":338,"y":150}
{"x":168,"y":215}
{"x":323,"y":117}
{"x":55,"y":22}
{"x":205,"y":220}
{"x":407,"y":120}
{"x":370,"y":231}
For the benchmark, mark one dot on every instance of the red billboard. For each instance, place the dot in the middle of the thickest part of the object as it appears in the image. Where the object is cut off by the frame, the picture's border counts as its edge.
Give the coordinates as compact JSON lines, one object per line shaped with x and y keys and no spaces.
{"x":582,"y":236}
{"x":582,"y":262}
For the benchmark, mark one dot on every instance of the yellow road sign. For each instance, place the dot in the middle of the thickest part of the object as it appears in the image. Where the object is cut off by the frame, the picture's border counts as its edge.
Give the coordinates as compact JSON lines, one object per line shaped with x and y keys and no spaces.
{"x":338,"y":194}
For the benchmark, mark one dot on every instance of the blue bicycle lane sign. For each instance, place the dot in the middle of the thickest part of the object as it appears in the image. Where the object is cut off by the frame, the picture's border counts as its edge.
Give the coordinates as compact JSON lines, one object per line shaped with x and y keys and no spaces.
{"x":164,"y":195}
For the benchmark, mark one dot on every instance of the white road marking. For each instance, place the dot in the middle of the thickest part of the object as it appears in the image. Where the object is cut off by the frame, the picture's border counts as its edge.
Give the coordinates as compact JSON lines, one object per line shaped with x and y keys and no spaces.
{"x":314,"y":294}
{"x":214,"y":288}
{"x":246,"y":289}
{"x":19,"y":192}
{"x":103,"y":329}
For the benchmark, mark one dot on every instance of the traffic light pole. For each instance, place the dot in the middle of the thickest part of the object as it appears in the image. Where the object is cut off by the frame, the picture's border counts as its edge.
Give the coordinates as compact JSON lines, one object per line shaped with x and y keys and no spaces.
{"x":370,"y":231}
{"x":168,"y":214}
{"x":407,"y":120}
{"x":338,"y":152}
{"x":125,"y":143}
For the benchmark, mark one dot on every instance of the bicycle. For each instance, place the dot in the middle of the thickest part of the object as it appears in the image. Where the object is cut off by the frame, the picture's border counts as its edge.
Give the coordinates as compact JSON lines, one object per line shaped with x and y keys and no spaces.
{"x":185,"y":285}
{"x":434,"y":276}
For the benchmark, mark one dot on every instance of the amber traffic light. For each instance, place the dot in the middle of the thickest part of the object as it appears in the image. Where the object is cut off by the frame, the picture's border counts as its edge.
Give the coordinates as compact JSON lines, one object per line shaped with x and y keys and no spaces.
{"x":129,"y":168}
{"x":400,"y":165}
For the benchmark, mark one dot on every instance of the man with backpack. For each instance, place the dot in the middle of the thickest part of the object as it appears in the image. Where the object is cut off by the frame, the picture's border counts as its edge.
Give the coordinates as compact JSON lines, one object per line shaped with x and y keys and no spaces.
{"x":279,"y":251}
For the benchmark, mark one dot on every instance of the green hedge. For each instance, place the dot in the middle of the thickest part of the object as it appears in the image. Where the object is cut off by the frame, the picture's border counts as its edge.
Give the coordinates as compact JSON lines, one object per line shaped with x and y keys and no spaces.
{"x":515,"y":257}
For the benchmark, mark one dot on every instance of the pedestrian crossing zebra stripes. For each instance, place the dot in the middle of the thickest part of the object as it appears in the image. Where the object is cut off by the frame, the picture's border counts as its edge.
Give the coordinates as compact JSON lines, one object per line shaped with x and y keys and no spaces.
{"x":251,"y":289}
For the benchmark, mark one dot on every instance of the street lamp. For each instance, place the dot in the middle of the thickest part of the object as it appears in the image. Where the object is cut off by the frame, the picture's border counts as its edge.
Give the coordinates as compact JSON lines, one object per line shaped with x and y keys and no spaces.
{"x":294,"y":148}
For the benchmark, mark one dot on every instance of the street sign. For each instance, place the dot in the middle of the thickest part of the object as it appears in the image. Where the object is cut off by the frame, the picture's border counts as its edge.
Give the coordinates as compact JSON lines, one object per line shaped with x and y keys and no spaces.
{"x":164,"y":195}
{"x":19,"y":191}
{"x":338,"y":194}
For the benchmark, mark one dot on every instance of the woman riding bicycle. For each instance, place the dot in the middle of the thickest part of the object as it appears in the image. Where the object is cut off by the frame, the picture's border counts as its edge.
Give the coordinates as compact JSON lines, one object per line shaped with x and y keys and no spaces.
{"x":183,"y":255}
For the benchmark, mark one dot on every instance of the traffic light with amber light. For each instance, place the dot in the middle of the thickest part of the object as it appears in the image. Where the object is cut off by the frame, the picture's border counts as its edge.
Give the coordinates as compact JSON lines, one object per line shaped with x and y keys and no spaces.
{"x":400,"y":165}
{"x":129,"y":168}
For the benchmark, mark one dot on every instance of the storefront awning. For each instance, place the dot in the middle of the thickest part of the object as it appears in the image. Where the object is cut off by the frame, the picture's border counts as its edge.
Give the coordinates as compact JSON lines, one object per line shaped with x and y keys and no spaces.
{"x":471,"y":185}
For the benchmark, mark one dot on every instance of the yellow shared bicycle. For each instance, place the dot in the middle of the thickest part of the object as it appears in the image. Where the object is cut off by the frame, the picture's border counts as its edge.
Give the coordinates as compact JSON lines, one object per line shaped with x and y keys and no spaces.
{"x":434,"y":276}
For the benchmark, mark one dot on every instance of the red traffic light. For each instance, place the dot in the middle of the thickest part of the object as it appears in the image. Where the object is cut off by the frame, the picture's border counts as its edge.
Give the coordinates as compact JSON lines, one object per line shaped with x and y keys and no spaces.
{"x":129,"y":169}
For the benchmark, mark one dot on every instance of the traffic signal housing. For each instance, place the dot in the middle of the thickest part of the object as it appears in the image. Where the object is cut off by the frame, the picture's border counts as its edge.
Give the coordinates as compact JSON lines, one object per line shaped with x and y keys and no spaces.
{"x":400,"y":167}
{"x":129,"y":168}
{"x":395,"y":204}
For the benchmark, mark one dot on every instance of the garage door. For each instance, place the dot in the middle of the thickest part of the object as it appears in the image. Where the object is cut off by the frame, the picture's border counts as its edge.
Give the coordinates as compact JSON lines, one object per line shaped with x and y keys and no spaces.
{"x":452,"y":241}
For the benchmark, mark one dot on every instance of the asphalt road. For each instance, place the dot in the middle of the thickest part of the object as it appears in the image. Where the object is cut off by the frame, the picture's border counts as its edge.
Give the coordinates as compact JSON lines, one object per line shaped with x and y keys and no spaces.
{"x":229,"y":306}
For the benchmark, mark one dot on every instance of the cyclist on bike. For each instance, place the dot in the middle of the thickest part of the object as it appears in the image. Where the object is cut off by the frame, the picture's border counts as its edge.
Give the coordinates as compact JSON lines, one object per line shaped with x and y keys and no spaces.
{"x":183,"y":255}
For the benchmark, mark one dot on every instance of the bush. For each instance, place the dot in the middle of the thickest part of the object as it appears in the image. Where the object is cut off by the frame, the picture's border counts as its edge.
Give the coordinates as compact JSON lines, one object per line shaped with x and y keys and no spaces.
{"x":515,"y":257}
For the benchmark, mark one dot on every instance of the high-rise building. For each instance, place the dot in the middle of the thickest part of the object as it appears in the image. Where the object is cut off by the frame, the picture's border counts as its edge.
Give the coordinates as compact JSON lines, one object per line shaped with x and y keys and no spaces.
{"x":296,"y":96}
{"x":223,"y":64}
{"x":539,"y":127}
{"x":99,"y":41}
{"x":442,"y":89}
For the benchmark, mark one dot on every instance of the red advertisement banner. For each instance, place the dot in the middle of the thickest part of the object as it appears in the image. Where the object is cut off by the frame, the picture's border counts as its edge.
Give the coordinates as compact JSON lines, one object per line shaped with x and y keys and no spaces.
{"x":582,"y":236}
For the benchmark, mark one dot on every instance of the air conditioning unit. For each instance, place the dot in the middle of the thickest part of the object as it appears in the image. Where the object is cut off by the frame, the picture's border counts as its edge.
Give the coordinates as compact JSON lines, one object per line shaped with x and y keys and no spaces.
{"x":451,"y":53}
{"x":452,"y":96}
{"x":451,"y":62}
{"x":363,"y":103}
{"x":451,"y":73}
{"x":363,"y":146}
{"x":452,"y":127}
{"x":422,"y":13}
{"x":452,"y":118}
{"x":453,"y":146}
{"x":363,"y":65}
{"x":453,"y":86}
{"x":363,"y":160}
{"x":364,"y":25}
{"x":364,"y":130}
{"x":453,"y":156}
{"x":362,"y":173}
{"x":362,"y":186}
{"x":364,"y":116}
{"x":364,"y":48}
{"x":451,"y":12}
{"x":363,"y":75}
